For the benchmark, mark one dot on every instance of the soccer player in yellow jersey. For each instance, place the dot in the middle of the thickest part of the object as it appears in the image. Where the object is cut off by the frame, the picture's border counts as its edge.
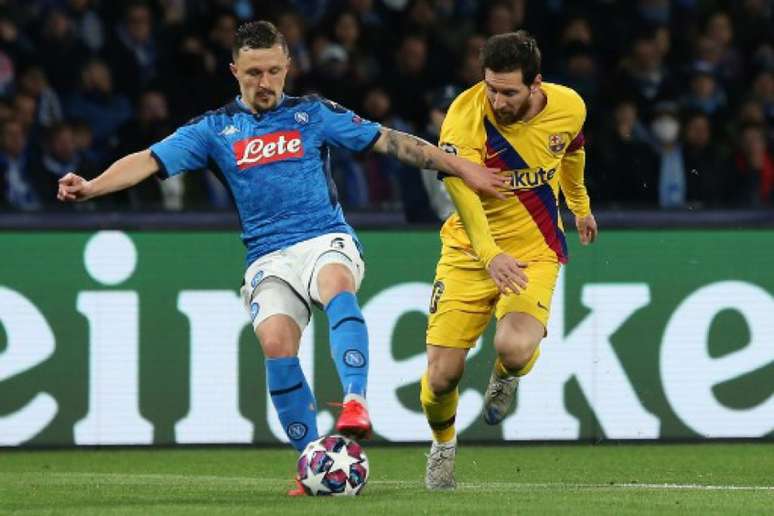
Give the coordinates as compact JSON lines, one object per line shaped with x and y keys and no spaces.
{"x":501,"y":257}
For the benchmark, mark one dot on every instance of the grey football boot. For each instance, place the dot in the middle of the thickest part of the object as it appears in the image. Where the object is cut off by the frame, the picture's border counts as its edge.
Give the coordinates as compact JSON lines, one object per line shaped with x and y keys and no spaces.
{"x":498,"y":397}
{"x":439,"y":474}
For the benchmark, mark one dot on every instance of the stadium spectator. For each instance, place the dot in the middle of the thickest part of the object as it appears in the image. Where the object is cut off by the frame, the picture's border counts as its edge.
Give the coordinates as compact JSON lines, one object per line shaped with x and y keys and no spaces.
{"x":25,"y":109}
{"x":18,"y":188}
{"x":577,"y":29}
{"x":755,"y":166}
{"x":469,"y":68}
{"x":334,"y":77}
{"x":663,"y":39}
{"x":135,"y":53}
{"x":60,"y":52}
{"x":84,"y":142}
{"x":193,"y":65}
{"x":348,"y":32}
{"x":34,"y":83}
{"x":6,"y":112}
{"x":720,"y":31}
{"x":623,"y":167}
{"x":390,"y":182}
{"x":714,"y":57}
{"x":96,"y":103}
{"x":753,"y":22}
{"x":292,"y":26}
{"x":705,"y":94}
{"x":643,"y":72}
{"x":11,"y":53}
{"x":665,"y":128}
{"x":504,"y":17}
{"x":58,"y":156}
{"x":410,"y":79}
{"x":88,"y":26}
{"x":221,"y":39}
{"x":175,"y":13}
{"x":708,"y":171}
{"x":150,"y":124}
{"x":428,"y":18}
{"x":578,"y":70}
{"x":751,"y":112}
{"x":763,"y":92}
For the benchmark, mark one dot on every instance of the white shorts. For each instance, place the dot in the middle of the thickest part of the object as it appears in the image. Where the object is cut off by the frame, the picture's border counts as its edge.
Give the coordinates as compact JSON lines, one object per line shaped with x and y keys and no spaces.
{"x":285,"y":281}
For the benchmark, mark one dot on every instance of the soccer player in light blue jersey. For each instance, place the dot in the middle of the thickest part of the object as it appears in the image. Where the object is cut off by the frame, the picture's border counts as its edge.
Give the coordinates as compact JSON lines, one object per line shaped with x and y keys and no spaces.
{"x":271,"y":152}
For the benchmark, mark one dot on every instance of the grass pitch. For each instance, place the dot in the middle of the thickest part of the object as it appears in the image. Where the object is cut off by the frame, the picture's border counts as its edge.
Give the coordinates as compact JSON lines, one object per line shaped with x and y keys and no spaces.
{"x":578,"y":479}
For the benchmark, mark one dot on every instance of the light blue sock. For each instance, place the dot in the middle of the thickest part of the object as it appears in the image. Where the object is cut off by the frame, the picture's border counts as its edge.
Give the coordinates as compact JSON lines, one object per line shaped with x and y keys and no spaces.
{"x":293,"y":400}
{"x":349,"y":343}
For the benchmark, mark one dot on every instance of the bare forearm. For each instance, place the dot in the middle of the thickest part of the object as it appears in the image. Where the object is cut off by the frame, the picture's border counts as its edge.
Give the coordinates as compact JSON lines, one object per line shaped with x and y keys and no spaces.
{"x":124,"y":173}
{"x":413,"y":151}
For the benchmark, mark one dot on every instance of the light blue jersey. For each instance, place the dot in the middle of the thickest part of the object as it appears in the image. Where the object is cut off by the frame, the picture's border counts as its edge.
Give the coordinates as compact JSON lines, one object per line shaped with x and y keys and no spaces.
{"x":275,"y":165}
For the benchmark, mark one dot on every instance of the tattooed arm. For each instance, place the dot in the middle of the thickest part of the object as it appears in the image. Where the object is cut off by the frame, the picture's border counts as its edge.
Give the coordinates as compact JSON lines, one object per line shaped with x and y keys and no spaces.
{"x":416,"y":152}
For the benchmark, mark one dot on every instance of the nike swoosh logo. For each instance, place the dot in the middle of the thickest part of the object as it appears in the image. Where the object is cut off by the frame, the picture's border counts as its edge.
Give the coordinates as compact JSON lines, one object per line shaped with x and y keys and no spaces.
{"x":540,"y":305}
{"x":490,"y":156}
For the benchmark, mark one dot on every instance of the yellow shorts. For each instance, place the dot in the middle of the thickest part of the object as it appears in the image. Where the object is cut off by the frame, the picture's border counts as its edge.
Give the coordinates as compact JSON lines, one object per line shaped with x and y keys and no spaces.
{"x":465,"y":297}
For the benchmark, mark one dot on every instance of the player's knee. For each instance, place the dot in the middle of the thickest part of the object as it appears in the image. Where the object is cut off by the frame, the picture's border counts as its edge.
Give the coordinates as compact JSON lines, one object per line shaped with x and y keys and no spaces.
{"x":442,"y":380}
{"x":274,"y":347}
{"x":279,"y":337}
{"x":514,"y":348}
{"x":442,"y":384}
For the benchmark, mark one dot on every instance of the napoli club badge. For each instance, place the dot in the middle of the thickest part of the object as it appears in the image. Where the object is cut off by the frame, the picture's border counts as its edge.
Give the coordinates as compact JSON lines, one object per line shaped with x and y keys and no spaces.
{"x":302,"y":117}
{"x":556,"y":143}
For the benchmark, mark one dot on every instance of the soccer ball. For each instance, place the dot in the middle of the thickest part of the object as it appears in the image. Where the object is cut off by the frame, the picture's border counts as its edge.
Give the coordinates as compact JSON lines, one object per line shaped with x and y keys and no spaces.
{"x":333,"y":465}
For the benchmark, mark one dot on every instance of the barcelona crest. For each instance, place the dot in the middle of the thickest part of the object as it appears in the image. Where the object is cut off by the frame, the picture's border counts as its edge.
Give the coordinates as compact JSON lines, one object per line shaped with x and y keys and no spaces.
{"x":556,"y":143}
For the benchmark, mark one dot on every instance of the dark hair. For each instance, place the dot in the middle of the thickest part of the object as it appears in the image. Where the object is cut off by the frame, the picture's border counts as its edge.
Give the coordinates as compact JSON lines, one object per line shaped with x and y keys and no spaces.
{"x":510,"y":52}
{"x":258,"y":34}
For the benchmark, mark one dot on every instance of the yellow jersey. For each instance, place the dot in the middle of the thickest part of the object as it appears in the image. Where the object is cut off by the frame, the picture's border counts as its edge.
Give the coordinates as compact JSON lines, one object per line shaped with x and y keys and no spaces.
{"x":542,"y":154}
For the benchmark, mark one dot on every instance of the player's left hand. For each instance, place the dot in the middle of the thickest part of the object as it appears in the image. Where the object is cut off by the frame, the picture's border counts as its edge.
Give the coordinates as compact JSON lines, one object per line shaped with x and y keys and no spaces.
{"x":483,"y":180}
{"x":587,"y":229}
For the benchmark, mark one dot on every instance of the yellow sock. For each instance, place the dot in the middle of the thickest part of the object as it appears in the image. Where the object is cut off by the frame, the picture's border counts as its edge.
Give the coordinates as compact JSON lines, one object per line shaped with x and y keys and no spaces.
{"x":504,"y":372}
{"x":439,"y":410}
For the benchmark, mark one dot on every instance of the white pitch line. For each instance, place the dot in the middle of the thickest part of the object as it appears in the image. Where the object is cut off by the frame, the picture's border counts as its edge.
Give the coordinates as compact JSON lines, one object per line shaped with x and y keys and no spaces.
{"x":699,"y":487}
{"x":150,"y":478}
{"x":571,"y":485}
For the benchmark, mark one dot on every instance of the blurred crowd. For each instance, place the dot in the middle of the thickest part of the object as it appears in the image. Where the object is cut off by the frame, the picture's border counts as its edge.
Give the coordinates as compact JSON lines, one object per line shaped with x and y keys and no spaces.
{"x":680,"y":93}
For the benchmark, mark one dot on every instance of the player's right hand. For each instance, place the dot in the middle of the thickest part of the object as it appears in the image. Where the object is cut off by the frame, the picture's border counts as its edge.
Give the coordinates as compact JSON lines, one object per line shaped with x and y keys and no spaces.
{"x":73,"y":188}
{"x":508,"y":273}
{"x":483,"y":180}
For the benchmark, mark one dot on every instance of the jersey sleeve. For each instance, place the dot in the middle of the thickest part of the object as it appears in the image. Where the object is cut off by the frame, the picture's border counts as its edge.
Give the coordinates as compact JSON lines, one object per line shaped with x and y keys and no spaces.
{"x":460,"y":134}
{"x":343,"y":128}
{"x":471,"y":212}
{"x":184,"y":150}
{"x":571,"y":179}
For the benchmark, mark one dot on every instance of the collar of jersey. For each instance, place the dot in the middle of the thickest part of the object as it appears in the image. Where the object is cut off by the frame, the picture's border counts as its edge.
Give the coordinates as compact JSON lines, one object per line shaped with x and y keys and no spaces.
{"x":246,"y":108}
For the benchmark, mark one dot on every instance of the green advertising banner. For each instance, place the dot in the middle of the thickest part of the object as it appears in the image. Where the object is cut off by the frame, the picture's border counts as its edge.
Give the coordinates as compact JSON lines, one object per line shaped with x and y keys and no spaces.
{"x":141,"y":338}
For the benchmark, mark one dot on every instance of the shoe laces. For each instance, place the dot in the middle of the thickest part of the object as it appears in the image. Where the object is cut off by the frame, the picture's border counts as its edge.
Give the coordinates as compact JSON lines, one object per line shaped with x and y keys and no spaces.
{"x":498,"y":387}
{"x":439,"y":454}
{"x":344,"y":404}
